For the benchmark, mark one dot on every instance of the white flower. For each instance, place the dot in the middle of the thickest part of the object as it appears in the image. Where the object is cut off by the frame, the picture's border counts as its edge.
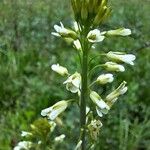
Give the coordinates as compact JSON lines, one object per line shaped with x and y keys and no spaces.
{"x":113,"y":96}
{"x":53,"y":111}
{"x":59,"y":138}
{"x":59,"y":69}
{"x":121,"y":31}
{"x":121,"y":57}
{"x":77,"y":44}
{"x":61,"y":31}
{"x":26,"y":145}
{"x":94,"y":128}
{"x":73,"y":83}
{"x":24,"y":133}
{"x":95,"y":36}
{"x":111,"y":66}
{"x":78,"y":146}
{"x":100,"y":104}
{"x":105,"y":78}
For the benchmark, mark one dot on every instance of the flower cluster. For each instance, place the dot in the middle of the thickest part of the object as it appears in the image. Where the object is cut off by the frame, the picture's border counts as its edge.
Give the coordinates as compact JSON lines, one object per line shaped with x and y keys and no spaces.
{"x":89,"y":14}
{"x":93,"y":11}
{"x":40,"y":131}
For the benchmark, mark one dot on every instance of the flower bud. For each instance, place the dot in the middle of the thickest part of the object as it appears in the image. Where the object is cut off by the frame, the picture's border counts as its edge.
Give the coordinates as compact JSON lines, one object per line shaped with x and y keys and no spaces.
{"x":59,"y":69}
{"x":105,"y":78}
{"x":73,"y":83}
{"x":95,"y":36}
{"x":121,"y":57}
{"x":121,"y":32}
{"x":53,"y":111}
{"x":111,"y":66}
{"x":84,"y":11}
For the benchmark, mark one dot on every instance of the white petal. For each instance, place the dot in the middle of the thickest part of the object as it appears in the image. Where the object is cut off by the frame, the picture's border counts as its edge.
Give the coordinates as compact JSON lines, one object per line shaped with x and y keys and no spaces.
{"x":99,"y":112}
{"x":44,"y":112}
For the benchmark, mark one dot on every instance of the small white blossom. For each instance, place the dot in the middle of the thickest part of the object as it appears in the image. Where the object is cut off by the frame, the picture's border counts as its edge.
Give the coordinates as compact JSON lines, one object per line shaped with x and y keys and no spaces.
{"x":59,"y":69}
{"x":121,"y":57}
{"x":53,"y":111}
{"x":24,"y":134}
{"x":26,"y":145}
{"x":105,"y":78}
{"x":77,"y":44}
{"x":100,"y":104}
{"x":73,"y":83}
{"x":94,"y":128}
{"x":95,"y":36}
{"x":78,"y":146}
{"x":121,"y":31}
{"x":113,"y":96}
{"x":61,"y":31}
{"x":59,"y":138}
{"x":111,"y":66}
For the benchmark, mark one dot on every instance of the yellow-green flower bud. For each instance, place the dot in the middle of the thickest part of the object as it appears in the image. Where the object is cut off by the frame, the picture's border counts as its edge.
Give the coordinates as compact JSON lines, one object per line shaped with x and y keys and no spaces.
{"x":111,"y":66}
{"x":59,"y":69}
{"x":84,"y":11}
{"x":121,"y":32}
{"x":105,"y":78}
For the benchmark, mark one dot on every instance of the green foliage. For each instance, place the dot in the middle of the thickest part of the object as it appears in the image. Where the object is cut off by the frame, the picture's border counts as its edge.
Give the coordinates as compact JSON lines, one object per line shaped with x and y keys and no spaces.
{"x":27,"y":84}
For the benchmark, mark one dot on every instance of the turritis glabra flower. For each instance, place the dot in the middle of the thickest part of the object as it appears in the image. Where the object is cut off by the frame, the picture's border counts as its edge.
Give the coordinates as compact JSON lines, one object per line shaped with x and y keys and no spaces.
{"x":95,"y":36}
{"x":113,"y":96}
{"x":26,"y":145}
{"x":53,"y":111}
{"x":121,"y":57}
{"x":61,"y":31}
{"x":121,"y":32}
{"x":59,"y":69}
{"x":73,"y":83}
{"x":101,"y":106}
{"x":111,"y":66}
{"x":59,"y":138}
{"x":25,"y":134}
{"x":105,"y":78}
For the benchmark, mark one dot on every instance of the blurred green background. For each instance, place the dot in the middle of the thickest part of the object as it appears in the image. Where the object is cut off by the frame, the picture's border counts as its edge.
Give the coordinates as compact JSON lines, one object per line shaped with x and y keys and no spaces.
{"x":27,"y":84}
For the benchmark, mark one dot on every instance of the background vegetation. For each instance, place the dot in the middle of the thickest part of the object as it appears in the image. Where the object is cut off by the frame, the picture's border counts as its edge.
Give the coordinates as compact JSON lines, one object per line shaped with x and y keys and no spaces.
{"x":27,"y":84}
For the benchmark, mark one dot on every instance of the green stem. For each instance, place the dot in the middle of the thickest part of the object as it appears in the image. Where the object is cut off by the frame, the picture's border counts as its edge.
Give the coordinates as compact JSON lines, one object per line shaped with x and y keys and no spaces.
{"x":84,"y":88}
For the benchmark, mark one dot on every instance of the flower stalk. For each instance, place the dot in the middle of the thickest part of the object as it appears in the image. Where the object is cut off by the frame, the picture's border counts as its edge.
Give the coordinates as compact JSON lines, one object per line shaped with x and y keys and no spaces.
{"x":84,"y":87}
